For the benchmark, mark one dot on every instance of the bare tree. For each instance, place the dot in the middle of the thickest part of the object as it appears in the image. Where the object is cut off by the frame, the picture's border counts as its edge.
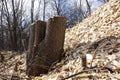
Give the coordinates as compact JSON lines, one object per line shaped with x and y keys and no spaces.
{"x":76,"y":14}
{"x":44,"y":8}
{"x":1,"y":28}
{"x":10,"y":37}
{"x":37,"y":15}
{"x":32,"y":11}
{"x":21,"y":28}
{"x":58,"y":6}
{"x":14,"y":24}
{"x":88,"y":7}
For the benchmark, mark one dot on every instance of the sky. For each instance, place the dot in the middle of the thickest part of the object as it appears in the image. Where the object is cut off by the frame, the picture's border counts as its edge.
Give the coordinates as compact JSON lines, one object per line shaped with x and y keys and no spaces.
{"x":94,"y":5}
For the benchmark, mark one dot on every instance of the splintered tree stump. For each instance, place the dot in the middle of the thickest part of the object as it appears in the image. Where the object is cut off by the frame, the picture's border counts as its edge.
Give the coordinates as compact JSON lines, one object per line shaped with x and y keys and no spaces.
{"x":31,"y":41}
{"x":48,"y":50}
{"x":37,"y":34}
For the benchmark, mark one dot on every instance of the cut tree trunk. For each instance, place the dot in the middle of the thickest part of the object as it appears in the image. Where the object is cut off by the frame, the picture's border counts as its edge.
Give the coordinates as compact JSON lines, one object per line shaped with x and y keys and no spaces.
{"x":48,"y":50}
{"x":37,"y":34}
{"x":31,"y":41}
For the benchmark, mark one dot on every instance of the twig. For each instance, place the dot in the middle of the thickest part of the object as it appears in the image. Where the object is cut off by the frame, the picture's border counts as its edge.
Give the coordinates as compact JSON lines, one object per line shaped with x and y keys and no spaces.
{"x":94,"y":55}
{"x":81,"y":73}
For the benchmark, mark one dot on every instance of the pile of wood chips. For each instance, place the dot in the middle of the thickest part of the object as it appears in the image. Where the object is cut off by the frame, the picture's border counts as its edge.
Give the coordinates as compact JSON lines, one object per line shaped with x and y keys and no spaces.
{"x":12,"y":66}
{"x":92,"y":51}
{"x":98,"y":39}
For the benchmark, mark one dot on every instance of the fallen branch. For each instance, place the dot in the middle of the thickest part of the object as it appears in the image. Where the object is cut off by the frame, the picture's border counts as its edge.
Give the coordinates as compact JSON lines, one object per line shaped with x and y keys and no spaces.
{"x":97,"y":46}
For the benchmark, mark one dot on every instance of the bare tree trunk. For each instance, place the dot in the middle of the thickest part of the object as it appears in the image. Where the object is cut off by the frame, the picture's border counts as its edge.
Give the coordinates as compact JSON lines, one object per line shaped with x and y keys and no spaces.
{"x":81,"y":12}
{"x":37,"y":34}
{"x":55,"y":34}
{"x":88,"y":7}
{"x":9,"y":25}
{"x":32,"y":10}
{"x":31,"y":40}
{"x":20,"y":42}
{"x":57,"y":6}
{"x":50,"y":49}
{"x":1,"y":30}
{"x":15,"y":25}
{"x":44,"y":9}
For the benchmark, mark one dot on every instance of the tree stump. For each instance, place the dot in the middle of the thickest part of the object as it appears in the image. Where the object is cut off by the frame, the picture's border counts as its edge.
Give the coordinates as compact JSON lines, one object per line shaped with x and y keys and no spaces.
{"x":37,"y":34}
{"x":48,"y":49}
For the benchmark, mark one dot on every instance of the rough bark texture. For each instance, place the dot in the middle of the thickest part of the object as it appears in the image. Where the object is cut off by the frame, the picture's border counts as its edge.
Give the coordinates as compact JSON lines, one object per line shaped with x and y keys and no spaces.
{"x":50,"y":49}
{"x":37,"y":34}
{"x":31,"y":41}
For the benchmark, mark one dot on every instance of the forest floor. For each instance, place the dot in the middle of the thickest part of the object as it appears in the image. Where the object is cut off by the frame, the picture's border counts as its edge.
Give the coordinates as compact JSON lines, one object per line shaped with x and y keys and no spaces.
{"x":92,"y":51}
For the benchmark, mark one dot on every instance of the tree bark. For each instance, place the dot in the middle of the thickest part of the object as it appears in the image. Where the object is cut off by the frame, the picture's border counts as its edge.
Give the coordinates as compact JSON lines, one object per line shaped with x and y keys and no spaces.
{"x":9,"y":26}
{"x":15,"y":25}
{"x":88,"y":7}
{"x":37,"y":34}
{"x":31,"y":41}
{"x":44,"y":7}
{"x":1,"y":29}
{"x":50,"y":49}
{"x":32,"y":10}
